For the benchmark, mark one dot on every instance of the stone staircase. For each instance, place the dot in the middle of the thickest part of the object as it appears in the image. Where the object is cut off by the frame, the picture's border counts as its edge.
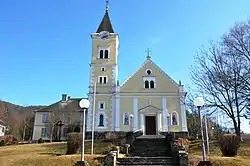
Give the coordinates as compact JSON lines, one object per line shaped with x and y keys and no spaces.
{"x":149,"y":151}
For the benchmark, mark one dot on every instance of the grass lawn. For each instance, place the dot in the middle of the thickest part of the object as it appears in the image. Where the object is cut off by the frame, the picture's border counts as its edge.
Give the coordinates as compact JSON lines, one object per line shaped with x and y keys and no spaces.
{"x":47,"y":154}
{"x":243,"y":158}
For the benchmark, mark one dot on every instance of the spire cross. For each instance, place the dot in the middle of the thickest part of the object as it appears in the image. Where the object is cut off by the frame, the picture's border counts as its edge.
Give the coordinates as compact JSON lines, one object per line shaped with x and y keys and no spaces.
{"x":148,"y":53}
{"x":107,"y":5}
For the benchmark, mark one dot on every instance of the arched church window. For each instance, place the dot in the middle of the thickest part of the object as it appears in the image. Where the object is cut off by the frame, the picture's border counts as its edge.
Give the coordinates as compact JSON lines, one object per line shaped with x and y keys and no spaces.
{"x":152,"y":84}
{"x":174,"y":118}
{"x":146,"y":84}
{"x":101,"y":54}
{"x":106,"y":54}
{"x":101,"y":117}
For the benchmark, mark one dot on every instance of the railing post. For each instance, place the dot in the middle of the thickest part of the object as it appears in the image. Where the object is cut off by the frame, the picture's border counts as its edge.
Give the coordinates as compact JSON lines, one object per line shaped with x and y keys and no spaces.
{"x":114,"y":154}
{"x":118,"y":150}
{"x":127,"y":149}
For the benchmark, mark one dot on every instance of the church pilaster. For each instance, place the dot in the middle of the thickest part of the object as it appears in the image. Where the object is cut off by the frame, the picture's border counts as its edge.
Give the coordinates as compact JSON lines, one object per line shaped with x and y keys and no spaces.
{"x":135,"y":112}
{"x":159,"y":124}
{"x":164,"y":113}
{"x":142,"y":123}
{"x":183,"y":114}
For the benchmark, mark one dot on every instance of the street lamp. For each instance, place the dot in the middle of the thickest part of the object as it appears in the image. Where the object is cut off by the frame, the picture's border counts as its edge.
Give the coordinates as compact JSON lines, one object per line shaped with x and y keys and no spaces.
{"x":199,"y":102}
{"x":84,"y":104}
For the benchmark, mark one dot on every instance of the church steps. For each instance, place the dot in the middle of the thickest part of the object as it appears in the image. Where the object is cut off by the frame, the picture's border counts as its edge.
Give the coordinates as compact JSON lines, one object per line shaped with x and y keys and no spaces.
{"x":149,"y":151}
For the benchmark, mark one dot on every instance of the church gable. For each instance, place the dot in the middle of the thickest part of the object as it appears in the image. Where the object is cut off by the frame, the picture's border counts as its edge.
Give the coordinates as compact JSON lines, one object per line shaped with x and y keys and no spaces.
{"x":149,"y":78}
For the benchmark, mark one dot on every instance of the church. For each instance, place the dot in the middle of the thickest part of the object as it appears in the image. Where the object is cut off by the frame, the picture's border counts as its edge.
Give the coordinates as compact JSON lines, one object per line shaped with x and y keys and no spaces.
{"x":148,"y":100}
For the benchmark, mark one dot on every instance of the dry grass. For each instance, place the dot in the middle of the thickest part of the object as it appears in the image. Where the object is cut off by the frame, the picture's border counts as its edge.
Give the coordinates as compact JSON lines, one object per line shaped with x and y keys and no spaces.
{"x":243,"y":158}
{"x":47,"y":154}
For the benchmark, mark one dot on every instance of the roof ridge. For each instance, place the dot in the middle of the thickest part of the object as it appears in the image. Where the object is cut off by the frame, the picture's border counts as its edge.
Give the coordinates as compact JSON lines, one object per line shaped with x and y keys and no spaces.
{"x":156,"y":66}
{"x":133,"y":73}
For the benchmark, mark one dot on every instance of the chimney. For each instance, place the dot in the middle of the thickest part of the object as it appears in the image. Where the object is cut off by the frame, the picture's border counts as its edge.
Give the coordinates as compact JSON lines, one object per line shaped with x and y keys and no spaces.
{"x":64,"y":97}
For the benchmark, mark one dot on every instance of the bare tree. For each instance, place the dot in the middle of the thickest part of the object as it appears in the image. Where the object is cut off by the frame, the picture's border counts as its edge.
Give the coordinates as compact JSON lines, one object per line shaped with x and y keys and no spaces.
{"x":221,"y":76}
{"x":54,"y":116}
{"x":25,"y":118}
{"x":237,"y":42}
{"x":66,"y":113}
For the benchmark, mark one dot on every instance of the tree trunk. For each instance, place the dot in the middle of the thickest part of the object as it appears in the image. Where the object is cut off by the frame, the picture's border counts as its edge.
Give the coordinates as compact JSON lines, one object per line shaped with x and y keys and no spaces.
{"x":236,"y":127}
{"x":24,"y":132}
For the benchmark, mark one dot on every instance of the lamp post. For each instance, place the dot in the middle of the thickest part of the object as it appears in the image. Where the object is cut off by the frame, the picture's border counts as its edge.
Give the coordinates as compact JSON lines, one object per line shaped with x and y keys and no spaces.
{"x":199,"y":102}
{"x":84,"y":104}
{"x":207,"y":136}
{"x":93,"y":120}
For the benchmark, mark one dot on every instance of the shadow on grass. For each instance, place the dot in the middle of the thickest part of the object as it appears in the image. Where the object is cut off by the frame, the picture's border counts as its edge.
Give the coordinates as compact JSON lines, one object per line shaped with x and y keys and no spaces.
{"x":52,"y":154}
{"x":61,"y":145}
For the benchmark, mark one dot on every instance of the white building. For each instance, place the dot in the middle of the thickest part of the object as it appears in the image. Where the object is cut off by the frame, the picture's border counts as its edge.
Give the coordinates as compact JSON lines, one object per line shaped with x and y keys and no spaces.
{"x":2,"y":128}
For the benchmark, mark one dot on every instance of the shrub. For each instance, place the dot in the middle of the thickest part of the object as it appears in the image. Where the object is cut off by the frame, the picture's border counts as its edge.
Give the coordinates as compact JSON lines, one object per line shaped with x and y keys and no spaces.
{"x":73,"y":143}
{"x":93,"y":162}
{"x":111,"y":136}
{"x":112,"y":147}
{"x":3,"y":143}
{"x":7,"y":138}
{"x":40,"y":140}
{"x":229,"y":145}
{"x":184,"y":143}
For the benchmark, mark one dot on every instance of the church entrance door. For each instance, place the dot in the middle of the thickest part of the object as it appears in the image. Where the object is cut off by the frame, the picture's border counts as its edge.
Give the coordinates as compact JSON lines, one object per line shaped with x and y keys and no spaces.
{"x":150,"y":125}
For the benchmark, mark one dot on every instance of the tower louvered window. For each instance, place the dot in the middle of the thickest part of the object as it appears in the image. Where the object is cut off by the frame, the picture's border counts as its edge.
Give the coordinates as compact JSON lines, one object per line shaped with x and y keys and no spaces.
{"x":106,"y":54}
{"x":101,"y":54}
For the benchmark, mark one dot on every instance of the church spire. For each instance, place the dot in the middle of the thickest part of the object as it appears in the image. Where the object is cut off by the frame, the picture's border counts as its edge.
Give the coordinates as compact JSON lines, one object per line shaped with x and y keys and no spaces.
{"x":105,"y":24}
{"x":107,"y":5}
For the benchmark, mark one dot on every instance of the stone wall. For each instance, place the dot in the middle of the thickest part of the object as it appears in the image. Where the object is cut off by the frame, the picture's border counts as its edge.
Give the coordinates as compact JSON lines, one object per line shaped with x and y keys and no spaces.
{"x":176,"y":134}
{"x":102,"y":135}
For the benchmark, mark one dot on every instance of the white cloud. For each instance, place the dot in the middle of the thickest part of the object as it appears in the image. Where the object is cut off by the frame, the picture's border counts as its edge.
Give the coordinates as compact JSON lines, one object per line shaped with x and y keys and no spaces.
{"x":156,"y":40}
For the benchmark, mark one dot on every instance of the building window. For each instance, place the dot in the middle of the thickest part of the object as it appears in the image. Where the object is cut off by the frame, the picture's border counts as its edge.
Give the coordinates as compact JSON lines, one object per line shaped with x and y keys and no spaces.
{"x":103,"y":69}
{"x":148,"y":72}
{"x":126,"y":119}
{"x":152,"y":84}
{"x":174,"y":119}
{"x":103,"y":79}
{"x":45,"y":118}
{"x":44,"y":132}
{"x":101,"y":105}
{"x":101,"y":54}
{"x":101,"y":118}
{"x":3,"y":130}
{"x":146,"y":84}
{"x":106,"y":54}
{"x":149,"y":82}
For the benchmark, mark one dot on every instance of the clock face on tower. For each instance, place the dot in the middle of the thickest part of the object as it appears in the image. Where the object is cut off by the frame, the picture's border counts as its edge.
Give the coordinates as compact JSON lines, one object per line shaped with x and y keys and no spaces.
{"x":104,"y":35}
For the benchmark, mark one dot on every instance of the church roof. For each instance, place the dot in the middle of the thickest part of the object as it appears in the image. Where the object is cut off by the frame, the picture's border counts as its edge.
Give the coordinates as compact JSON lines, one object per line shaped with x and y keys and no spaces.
{"x":71,"y":104}
{"x":105,"y":24}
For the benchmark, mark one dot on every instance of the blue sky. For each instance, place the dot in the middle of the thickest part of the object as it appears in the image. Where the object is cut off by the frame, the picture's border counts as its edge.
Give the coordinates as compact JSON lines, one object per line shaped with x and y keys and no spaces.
{"x":45,"y":45}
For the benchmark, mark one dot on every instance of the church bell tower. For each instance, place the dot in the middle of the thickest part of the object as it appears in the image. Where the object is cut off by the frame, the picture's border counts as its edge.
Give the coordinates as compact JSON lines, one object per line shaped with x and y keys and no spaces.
{"x":103,"y":75}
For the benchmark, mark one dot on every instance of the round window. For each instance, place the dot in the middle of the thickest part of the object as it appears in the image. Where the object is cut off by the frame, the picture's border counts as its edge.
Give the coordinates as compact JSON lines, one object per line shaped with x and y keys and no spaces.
{"x":148,"y":72}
